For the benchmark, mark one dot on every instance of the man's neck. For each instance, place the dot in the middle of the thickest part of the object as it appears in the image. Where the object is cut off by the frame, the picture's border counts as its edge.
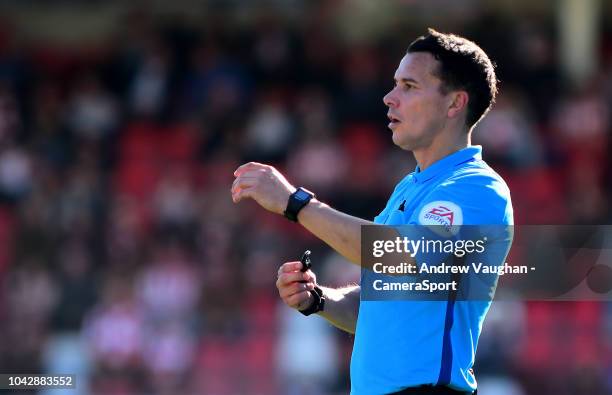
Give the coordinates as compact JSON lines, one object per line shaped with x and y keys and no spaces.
{"x":441,"y":148}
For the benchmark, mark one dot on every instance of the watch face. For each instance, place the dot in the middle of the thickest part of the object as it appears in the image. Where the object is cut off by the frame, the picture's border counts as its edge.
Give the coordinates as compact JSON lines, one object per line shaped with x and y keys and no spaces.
{"x":302,"y":195}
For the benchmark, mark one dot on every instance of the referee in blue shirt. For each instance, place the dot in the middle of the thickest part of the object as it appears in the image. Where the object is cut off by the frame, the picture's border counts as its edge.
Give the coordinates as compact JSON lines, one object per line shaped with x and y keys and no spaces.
{"x":443,"y":86}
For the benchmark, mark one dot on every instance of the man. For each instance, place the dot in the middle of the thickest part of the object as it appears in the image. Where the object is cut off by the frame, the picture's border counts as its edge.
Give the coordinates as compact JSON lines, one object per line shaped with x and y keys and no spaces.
{"x":443,"y":86}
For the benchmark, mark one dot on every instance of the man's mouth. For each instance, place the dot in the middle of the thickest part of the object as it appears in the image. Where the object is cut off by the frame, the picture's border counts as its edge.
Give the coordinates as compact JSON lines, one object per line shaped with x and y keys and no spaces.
{"x":393,"y":120}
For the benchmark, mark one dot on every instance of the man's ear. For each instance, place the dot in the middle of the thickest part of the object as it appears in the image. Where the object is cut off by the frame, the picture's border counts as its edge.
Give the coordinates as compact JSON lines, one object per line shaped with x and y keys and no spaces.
{"x":459,"y":102}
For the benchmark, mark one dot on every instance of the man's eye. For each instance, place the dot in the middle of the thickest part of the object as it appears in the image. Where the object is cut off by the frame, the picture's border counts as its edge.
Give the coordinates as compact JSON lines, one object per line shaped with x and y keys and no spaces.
{"x":403,"y":86}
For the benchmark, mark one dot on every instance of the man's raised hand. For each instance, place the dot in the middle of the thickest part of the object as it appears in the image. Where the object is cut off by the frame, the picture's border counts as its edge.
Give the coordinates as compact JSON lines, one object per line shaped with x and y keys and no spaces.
{"x":264,"y":184}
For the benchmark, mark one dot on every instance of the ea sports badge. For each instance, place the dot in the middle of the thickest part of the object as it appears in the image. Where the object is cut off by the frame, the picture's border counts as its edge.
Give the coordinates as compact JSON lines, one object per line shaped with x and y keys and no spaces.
{"x":446,"y":217}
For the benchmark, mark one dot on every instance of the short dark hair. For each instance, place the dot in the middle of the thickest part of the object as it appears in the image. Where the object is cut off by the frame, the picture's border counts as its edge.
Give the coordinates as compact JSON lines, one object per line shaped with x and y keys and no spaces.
{"x":463,"y":65}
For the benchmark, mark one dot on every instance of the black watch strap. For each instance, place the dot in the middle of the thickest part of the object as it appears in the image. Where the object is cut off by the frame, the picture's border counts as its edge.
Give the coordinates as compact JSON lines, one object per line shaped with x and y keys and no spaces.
{"x":317,"y":305}
{"x":298,"y":199}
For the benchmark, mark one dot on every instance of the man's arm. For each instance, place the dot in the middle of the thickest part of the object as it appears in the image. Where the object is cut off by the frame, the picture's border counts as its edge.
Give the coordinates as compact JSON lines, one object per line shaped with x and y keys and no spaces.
{"x":271,"y":190}
{"x":268,"y":187}
{"x":340,"y":231}
{"x":342,"y":307}
{"x":341,"y":304}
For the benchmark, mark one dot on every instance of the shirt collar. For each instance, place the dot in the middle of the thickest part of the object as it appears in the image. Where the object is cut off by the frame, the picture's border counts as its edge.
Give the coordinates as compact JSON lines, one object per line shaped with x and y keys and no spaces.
{"x":467,"y":154}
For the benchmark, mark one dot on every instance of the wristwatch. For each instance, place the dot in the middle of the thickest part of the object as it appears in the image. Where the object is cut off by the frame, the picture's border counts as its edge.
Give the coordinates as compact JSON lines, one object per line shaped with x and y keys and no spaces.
{"x":317,"y":305}
{"x":297,"y":201}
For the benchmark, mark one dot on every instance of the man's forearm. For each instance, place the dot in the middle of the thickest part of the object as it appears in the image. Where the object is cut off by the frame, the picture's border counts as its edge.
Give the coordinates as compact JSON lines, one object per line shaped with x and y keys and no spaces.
{"x":341,"y":307}
{"x":340,"y":231}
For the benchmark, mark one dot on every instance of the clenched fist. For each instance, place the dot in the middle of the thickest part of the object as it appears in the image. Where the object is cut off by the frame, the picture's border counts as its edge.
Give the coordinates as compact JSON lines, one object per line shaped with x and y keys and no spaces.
{"x":264,"y":184}
{"x":295,"y":286}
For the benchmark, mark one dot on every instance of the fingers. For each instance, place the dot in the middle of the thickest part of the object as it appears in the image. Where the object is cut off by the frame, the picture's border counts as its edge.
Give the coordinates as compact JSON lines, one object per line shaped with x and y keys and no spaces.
{"x":243,"y":193}
{"x":249,"y":166}
{"x":241,"y":187}
{"x":291,"y":280}
{"x":289,"y":267}
{"x":290,"y":271}
{"x":264,"y":184}
{"x":243,"y":182}
{"x":294,"y":288}
{"x":248,"y":179}
{"x":255,"y":173}
{"x":285,"y":279}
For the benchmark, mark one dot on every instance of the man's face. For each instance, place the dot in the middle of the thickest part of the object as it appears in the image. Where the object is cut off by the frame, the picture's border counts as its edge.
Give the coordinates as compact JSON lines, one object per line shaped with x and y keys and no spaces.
{"x":417,"y":109}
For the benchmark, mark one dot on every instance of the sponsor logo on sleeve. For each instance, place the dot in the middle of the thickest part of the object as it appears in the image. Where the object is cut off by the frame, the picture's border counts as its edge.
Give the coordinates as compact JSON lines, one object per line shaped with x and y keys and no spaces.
{"x":446,"y":216}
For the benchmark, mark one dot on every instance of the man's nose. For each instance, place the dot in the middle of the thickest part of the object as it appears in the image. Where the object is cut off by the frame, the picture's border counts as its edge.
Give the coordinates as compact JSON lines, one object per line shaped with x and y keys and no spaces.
{"x":389,"y":99}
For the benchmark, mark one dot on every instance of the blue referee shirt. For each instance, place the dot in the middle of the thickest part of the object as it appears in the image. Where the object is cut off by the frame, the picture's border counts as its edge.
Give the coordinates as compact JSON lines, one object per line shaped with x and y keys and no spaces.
{"x":401,"y":344}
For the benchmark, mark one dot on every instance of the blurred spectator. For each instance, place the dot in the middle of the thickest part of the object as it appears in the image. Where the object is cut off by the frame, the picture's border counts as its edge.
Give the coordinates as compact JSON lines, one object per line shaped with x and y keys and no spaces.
{"x":79,"y":202}
{"x":169,"y":286}
{"x":361,"y":93}
{"x":114,"y":328}
{"x":318,"y":159}
{"x":31,"y":293}
{"x":15,"y":173}
{"x":270,"y":130}
{"x":174,"y":199}
{"x":217,"y":85}
{"x":93,"y":112}
{"x":149,"y":87}
{"x":307,"y":354}
{"x":504,"y":334}
{"x":169,"y":354}
{"x":76,"y":287}
{"x":582,"y":122}
{"x":51,"y":140}
{"x":320,"y":163}
{"x":508,"y":133}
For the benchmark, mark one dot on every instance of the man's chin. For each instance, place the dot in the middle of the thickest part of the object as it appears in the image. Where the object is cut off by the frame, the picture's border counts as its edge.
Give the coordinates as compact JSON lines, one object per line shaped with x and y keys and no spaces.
{"x":403,"y":143}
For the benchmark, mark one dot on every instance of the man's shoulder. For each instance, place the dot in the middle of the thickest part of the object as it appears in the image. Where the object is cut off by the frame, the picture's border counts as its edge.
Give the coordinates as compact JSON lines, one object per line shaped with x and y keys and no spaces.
{"x":478,"y":192}
{"x":477,"y":177}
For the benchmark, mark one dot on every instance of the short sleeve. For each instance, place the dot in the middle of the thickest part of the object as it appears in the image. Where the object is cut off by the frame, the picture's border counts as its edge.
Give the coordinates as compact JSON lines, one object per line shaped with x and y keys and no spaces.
{"x":467,"y":200}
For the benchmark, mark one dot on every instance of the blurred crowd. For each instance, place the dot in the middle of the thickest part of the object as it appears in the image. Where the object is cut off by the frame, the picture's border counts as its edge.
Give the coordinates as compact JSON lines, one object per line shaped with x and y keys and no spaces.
{"x":124,"y":261}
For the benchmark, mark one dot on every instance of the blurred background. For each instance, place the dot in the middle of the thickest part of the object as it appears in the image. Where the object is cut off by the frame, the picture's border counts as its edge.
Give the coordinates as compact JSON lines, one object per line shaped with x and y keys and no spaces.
{"x":122,"y":257}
